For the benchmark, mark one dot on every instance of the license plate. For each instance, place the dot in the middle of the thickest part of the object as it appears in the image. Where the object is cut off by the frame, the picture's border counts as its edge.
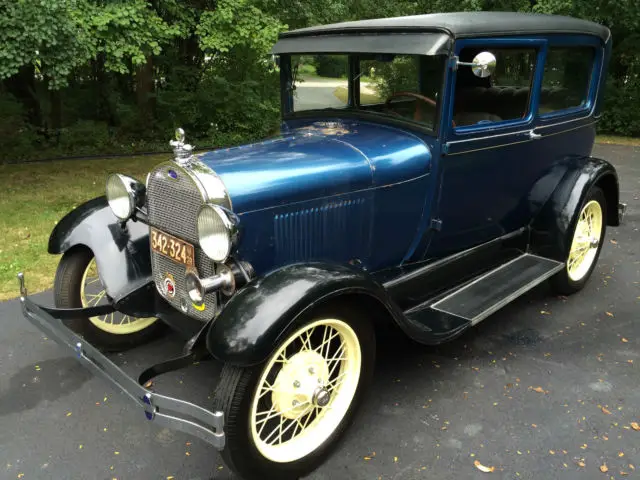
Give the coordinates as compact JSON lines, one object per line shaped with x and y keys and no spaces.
{"x":172,"y":247}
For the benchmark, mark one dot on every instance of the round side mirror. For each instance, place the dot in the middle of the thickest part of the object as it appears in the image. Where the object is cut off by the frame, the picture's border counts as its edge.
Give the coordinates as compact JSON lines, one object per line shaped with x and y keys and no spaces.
{"x":484,"y":64}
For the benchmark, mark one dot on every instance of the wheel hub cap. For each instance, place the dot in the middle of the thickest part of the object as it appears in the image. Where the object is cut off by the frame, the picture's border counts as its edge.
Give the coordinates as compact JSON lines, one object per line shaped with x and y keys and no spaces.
{"x":296,"y":388}
{"x":586,"y":241}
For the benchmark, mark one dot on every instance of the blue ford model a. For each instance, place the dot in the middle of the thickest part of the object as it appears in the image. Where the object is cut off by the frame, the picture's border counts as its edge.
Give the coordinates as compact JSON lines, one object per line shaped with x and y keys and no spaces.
{"x":429,"y":170}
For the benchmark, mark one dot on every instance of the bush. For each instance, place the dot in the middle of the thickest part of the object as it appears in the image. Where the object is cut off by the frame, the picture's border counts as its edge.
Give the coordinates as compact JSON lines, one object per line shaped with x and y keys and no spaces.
{"x":334,"y":66}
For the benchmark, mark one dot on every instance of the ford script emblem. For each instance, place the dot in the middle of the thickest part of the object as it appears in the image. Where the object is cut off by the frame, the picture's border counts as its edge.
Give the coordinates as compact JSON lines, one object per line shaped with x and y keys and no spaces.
{"x":169,"y":287}
{"x":173,"y":174}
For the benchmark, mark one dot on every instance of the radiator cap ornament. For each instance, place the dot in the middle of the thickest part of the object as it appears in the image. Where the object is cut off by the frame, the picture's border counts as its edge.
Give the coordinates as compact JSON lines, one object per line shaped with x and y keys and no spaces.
{"x":183,"y":151}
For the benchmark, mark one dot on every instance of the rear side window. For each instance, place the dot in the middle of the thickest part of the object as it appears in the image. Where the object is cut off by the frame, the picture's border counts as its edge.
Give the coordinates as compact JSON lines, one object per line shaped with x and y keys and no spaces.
{"x":503,"y":96}
{"x":566,"y":79}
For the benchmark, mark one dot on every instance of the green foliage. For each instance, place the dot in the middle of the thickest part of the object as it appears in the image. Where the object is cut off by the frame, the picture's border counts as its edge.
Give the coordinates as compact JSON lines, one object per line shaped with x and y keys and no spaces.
{"x":333,"y":66}
{"x":117,"y":76}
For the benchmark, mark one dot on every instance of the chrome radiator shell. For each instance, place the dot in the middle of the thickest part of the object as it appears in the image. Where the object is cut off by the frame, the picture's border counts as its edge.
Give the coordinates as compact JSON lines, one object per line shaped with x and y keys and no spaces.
{"x":175,"y":194}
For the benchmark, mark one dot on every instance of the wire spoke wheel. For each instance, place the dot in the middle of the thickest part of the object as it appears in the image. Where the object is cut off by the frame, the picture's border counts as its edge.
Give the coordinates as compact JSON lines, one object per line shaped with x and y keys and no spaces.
{"x":93,"y":293}
{"x":586,"y":240}
{"x":305,"y":390}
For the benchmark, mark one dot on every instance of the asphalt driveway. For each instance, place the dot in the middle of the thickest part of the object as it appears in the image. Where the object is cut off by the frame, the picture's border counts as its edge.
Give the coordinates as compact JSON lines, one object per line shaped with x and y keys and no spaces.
{"x":546,"y":388}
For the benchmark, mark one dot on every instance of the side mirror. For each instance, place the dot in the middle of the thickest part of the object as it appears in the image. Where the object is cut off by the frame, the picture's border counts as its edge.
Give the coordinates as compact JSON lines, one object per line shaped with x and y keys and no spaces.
{"x":483,"y":65}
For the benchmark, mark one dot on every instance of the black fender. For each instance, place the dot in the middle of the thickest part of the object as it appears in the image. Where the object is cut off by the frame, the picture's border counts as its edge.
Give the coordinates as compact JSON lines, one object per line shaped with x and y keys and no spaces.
{"x":552,"y":229}
{"x":255,"y":320}
{"x":121,"y":251}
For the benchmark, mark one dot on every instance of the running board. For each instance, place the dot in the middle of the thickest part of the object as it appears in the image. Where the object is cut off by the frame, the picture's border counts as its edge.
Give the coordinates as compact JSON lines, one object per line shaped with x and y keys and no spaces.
{"x":490,"y":292}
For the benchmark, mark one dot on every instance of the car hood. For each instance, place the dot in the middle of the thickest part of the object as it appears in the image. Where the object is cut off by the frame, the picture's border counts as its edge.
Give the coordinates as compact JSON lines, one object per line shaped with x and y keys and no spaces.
{"x":317,"y":160}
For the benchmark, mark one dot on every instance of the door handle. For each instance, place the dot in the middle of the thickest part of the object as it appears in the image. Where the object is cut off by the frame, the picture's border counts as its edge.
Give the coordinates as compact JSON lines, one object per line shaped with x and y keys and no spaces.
{"x":534,"y":136}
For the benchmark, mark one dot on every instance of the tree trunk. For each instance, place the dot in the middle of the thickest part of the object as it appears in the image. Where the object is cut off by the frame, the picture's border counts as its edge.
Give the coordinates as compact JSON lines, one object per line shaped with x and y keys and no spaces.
{"x":145,"y":89}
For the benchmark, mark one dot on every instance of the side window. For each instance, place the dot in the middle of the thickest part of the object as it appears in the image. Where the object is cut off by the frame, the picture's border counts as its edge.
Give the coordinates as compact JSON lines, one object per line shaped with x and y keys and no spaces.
{"x":566,"y":79}
{"x":503,"y":96}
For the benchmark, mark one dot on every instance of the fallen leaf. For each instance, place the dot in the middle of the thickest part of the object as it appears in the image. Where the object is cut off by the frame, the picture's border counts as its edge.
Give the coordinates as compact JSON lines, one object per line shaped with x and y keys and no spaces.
{"x":537,"y":389}
{"x":170,"y":477}
{"x":621,"y":454}
{"x":367,"y":458}
{"x":187,"y":454}
{"x":544,"y":312}
{"x":116,"y":453}
{"x":68,"y":414}
{"x":395,"y":459}
{"x":149,"y":384}
{"x":624,"y":340}
{"x":482,"y":468}
{"x":635,"y":426}
{"x":581,"y":463}
{"x":605,"y":410}
{"x":609,"y":313}
{"x":623,"y":473}
{"x":552,"y":452}
{"x":614,"y":242}
{"x":604,"y":468}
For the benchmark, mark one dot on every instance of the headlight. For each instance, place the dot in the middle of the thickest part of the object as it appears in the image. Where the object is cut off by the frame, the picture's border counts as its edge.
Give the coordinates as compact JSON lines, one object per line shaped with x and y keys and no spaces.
{"x":216,"y":232}
{"x":124,"y":194}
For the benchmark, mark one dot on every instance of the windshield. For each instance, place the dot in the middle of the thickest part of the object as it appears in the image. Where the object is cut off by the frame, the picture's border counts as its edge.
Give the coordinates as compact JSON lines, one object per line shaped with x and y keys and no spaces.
{"x":398,"y":86}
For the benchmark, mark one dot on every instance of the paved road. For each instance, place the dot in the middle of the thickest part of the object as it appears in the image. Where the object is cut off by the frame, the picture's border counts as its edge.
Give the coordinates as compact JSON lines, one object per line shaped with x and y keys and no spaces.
{"x":432,"y":411}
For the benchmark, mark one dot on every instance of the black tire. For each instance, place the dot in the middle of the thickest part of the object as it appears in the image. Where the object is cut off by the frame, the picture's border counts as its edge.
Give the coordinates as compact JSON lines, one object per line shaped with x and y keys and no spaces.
{"x":66,"y":292}
{"x":236,"y":390}
{"x":562,"y":283}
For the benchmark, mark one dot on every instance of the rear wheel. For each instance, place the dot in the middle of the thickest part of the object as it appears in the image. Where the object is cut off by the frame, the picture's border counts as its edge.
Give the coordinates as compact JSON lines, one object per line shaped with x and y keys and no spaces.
{"x":77,"y":284}
{"x":283,"y":417}
{"x":588,"y":236}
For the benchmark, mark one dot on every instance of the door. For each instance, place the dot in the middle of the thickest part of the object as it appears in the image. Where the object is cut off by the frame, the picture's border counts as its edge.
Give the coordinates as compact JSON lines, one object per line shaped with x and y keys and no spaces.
{"x":490,"y":160}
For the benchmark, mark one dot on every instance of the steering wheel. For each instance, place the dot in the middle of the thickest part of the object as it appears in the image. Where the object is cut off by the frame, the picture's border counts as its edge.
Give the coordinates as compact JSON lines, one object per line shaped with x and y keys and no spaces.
{"x":418,"y":113}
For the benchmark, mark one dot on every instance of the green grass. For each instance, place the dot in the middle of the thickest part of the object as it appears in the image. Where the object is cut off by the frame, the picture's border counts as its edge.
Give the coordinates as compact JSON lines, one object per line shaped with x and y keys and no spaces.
{"x":365,"y":98}
{"x":35,"y":197}
{"x":617,"y":140}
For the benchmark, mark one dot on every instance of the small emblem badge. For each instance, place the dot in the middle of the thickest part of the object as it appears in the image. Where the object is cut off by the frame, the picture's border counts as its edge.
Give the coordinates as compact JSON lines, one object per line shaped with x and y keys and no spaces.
{"x":172,"y":173}
{"x":169,"y":286}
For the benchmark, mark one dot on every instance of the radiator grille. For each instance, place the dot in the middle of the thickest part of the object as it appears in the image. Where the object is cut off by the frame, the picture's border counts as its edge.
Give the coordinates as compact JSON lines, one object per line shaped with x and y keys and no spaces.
{"x":173,"y":202}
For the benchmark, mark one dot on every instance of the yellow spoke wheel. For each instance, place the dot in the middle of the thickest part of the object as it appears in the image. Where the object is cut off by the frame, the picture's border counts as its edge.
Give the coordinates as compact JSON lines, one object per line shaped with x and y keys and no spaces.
{"x":586,"y":241}
{"x":283,"y":415}
{"x":305,"y":390}
{"x":92,"y":293}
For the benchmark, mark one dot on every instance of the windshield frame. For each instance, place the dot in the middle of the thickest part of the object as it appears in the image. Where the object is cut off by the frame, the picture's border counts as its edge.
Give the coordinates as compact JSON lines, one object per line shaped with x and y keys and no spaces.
{"x":352,"y":109}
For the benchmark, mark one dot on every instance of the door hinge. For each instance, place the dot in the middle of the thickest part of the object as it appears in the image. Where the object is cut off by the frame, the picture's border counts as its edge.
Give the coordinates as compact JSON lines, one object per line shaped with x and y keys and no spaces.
{"x":453,"y":62}
{"x":436,"y":224}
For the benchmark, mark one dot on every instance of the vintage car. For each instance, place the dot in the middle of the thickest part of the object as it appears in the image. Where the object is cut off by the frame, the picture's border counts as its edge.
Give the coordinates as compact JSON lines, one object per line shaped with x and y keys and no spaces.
{"x":429,"y":170}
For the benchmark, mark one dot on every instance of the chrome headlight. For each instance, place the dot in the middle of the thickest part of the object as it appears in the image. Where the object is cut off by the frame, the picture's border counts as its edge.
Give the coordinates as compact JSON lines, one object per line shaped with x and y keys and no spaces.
{"x":216,"y":232}
{"x":124,"y":194}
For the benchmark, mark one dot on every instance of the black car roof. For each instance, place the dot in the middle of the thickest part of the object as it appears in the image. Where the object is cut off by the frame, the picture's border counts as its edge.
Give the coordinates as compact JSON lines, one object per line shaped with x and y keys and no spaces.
{"x":464,"y":24}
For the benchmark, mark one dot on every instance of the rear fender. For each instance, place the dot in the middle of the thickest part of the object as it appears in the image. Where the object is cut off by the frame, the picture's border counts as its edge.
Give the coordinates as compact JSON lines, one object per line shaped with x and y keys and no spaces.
{"x":552,"y":229}
{"x":121,"y":252}
{"x":256,"y":320}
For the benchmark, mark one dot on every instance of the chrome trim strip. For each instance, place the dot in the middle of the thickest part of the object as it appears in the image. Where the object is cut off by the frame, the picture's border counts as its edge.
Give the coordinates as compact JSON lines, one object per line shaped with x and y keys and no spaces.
{"x":526,"y":140}
{"x":519,"y":132}
{"x":508,"y":299}
{"x":204,"y":424}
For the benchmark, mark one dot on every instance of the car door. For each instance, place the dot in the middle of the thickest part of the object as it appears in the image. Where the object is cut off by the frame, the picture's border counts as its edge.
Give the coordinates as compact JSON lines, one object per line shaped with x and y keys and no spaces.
{"x":489,"y":157}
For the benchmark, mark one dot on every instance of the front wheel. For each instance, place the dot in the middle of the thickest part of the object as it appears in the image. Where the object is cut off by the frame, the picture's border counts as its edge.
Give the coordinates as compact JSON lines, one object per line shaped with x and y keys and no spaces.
{"x":283,"y":417}
{"x":77,"y":285}
{"x":588,"y":237}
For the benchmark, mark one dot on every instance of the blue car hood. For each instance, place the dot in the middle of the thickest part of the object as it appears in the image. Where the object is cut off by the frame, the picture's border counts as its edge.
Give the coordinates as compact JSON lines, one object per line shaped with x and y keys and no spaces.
{"x":317,"y":160}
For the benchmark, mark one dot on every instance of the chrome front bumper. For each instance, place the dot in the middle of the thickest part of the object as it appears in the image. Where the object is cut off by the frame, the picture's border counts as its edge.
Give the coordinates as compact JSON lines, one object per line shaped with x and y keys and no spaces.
{"x":165,"y":411}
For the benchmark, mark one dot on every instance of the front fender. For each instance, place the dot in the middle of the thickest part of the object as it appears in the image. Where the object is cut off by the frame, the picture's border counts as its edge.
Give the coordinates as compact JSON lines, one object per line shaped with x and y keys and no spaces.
{"x":122,"y":254}
{"x":256,"y":319}
{"x":552,"y":228}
